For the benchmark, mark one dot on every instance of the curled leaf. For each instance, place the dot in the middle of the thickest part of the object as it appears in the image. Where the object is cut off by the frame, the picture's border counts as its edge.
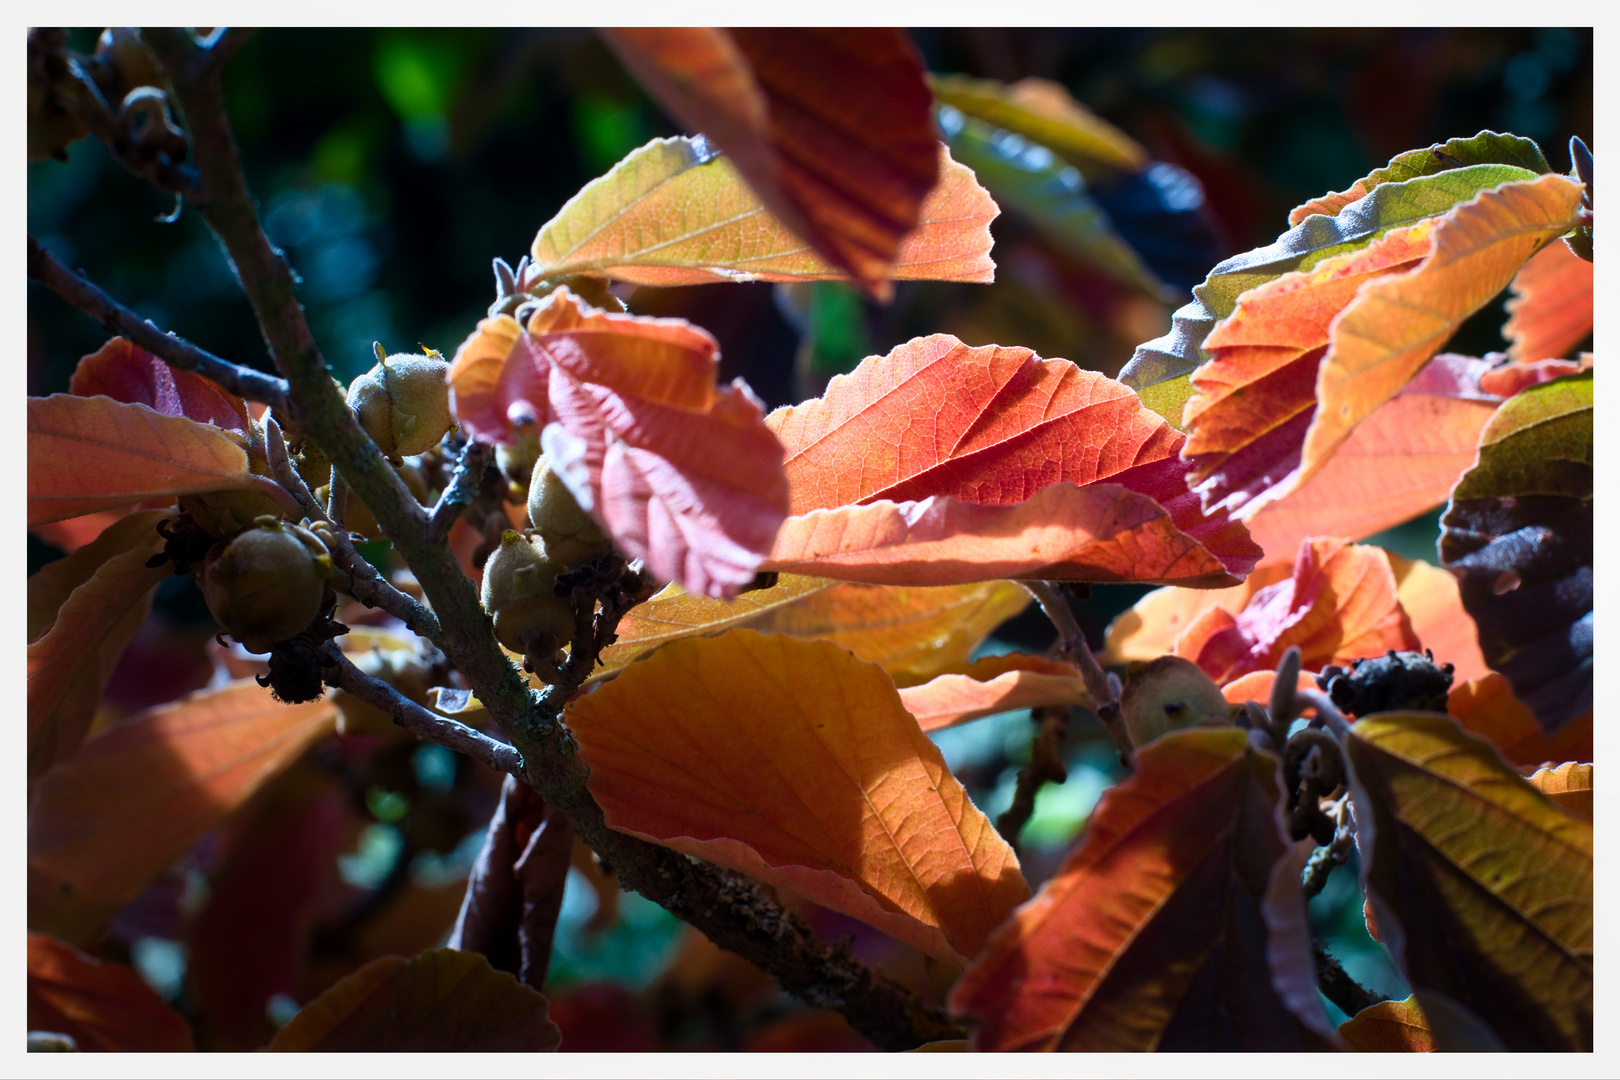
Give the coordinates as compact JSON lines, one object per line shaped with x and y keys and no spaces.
{"x":1568,"y":786}
{"x":126,"y":372}
{"x":1389,"y":1027}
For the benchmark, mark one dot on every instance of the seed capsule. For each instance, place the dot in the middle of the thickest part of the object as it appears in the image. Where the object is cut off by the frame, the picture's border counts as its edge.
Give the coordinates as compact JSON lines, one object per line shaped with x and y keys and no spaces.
{"x":267,"y":584}
{"x":520,"y":595}
{"x":403,"y":402}
{"x":571,"y":535}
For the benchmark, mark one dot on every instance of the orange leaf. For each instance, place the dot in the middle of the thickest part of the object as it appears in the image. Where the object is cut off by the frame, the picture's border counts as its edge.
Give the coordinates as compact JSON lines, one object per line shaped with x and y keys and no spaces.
{"x":126,"y":372}
{"x":88,"y":454}
{"x":987,"y":425}
{"x":831,"y":127}
{"x":1569,"y":786}
{"x":1550,"y":310}
{"x":490,"y":388}
{"x":796,"y":763}
{"x":1395,"y":325}
{"x":1509,"y":379}
{"x":675,"y":213}
{"x":1256,"y":686}
{"x":1389,"y":1027}
{"x":1487,"y":708}
{"x":444,"y":1000}
{"x":1399,"y":462}
{"x":1431,"y":600}
{"x":103,"y":1006}
{"x":82,"y":611}
{"x":1156,"y":933}
{"x":1149,"y":629}
{"x":104,"y":823}
{"x":995,"y":684}
{"x":1101,"y":533}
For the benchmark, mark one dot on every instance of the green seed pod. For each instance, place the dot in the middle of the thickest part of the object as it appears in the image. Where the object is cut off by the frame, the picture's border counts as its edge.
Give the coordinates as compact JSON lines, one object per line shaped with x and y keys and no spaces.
{"x":571,"y":535}
{"x":520,"y":595}
{"x":403,"y":402}
{"x":268,"y":584}
{"x":1169,"y":694}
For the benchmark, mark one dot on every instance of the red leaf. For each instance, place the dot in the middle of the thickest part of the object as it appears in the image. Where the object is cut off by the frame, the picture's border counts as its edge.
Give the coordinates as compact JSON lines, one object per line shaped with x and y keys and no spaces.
{"x":1551,"y":307}
{"x":831,"y":127}
{"x":1101,"y":533}
{"x":1162,"y":930}
{"x":103,"y":1006}
{"x":1509,"y":379}
{"x":126,"y":372}
{"x":995,"y":684}
{"x":987,"y":425}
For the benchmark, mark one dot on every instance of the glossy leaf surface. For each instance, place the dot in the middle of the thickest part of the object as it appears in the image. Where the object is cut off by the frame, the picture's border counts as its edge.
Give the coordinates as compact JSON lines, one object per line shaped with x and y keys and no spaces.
{"x":106,"y":822}
{"x":830,"y":126}
{"x":1482,"y":889}
{"x":94,"y":453}
{"x":441,"y":1001}
{"x":796,"y":763}
{"x":1550,"y":310}
{"x":1155,"y":929}
{"x":1519,"y":530}
{"x":994,"y":684}
{"x":675,"y":213}
{"x":125,"y":372}
{"x":102,"y":1005}
{"x":1389,"y":1027}
{"x":987,"y":425}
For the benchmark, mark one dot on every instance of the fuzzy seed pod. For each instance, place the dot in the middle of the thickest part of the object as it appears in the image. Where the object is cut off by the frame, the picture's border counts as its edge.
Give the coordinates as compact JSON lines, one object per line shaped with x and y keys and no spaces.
{"x":520,"y":595}
{"x":1169,"y":694}
{"x":571,"y":535}
{"x":268,"y":584}
{"x":403,"y":402}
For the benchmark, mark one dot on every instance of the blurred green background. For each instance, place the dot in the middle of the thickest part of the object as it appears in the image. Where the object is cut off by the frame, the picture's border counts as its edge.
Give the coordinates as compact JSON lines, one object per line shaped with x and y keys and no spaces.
{"x":393,"y":165}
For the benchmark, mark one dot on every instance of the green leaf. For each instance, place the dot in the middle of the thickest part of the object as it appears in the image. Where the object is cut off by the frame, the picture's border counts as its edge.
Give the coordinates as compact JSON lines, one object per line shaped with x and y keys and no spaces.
{"x":1044,"y":113}
{"x":1480,"y":887}
{"x":1301,"y":248}
{"x":1519,"y":531}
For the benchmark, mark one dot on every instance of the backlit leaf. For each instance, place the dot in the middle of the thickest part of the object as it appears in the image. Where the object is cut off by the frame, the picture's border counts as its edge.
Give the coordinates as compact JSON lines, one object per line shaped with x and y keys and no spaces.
{"x":1389,"y":1027}
{"x":126,"y":372}
{"x":82,"y":611}
{"x":1550,"y":310}
{"x":1481,"y":888}
{"x":1043,"y":112}
{"x":1486,"y":148}
{"x":830,"y":126}
{"x":1510,"y":379}
{"x":675,"y":213}
{"x":796,"y":763}
{"x":1486,"y":707}
{"x":104,"y":823}
{"x":441,"y":1001}
{"x":1519,"y":530}
{"x":1568,"y":786}
{"x":1399,"y":462}
{"x":994,"y":684}
{"x":1396,"y":324}
{"x":496,"y":381}
{"x":1149,"y":628}
{"x":987,"y":425}
{"x":102,"y":1005}
{"x":1314,"y":239}
{"x":1432,"y":602}
{"x":1155,"y":933}
{"x":88,"y":454}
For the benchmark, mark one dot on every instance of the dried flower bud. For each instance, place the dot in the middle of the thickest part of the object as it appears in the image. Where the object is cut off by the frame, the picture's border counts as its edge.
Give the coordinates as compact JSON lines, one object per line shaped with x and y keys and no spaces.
{"x":268,"y":584}
{"x":403,"y":402}
{"x":571,"y":535}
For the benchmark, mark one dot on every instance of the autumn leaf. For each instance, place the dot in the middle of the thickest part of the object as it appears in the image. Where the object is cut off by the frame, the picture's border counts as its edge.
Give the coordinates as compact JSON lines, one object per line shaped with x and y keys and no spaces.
{"x":1519,"y":531}
{"x":796,"y":763}
{"x":1550,"y":311}
{"x":1396,"y":324}
{"x":1486,"y":148}
{"x":1481,"y":888}
{"x":103,"y":1006}
{"x":987,"y":425}
{"x":104,"y":823}
{"x":82,"y":611}
{"x":831,"y":127}
{"x":1486,"y":707}
{"x":1389,"y":1027}
{"x":1389,"y":206}
{"x":1568,"y":787}
{"x":1433,"y":603}
{"x":1510,"y":379}
{"x":440,"y":1001}
{"x":1043,"y":112}
{"x":1149,"y":628}
{"x":1156,"y":933}
{"x":88,"y":454}
{"x":126,"y":372}
{"x":1399,"y":462}
{"x":994,"y":684}
{"x":675,"y":213}
{"x":497,"y":382}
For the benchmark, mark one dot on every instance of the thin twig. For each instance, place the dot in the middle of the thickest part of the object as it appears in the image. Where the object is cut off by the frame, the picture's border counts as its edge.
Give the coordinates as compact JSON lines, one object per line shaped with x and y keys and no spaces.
{"x":217,"y":50}
{"x":117,"y":319}
{"x":449,"y":733}
{"x":1326,"y":711}
{"x":1326,"y":857}
{"x":1072,"y":646}
{"x":1337,"y":985}
{"x":1283,"y":707}
{"x":1046,"y":765}
{"x":461,"y":490}
{"x":337,"y":501}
